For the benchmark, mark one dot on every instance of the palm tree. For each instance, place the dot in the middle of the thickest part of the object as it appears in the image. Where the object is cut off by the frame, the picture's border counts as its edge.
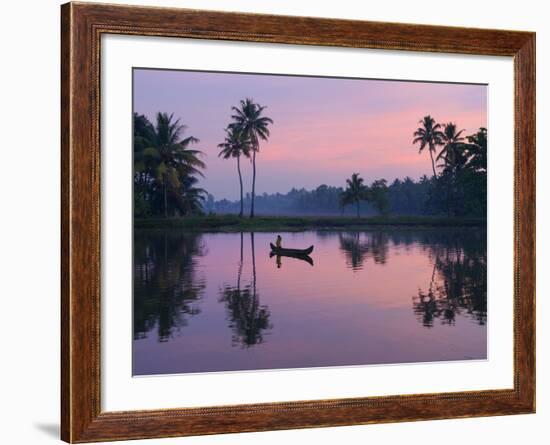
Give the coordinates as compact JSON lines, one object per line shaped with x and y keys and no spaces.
{"x":428,"y":135}
{"x":378,"y":196}
{"x":143,"y":134}
{"x":355,"y":192}
{"x":453,"y":155}
{"x":190,"y":199}
{"x":170,"y":156}
{"x":452,"y":140}
{"x":248,"y":120}
{"x":236,"y":144}
{"x":477,"y":150}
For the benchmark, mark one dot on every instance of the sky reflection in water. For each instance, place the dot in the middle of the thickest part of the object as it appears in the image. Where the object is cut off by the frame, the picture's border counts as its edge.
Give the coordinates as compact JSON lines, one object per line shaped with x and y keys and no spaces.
{"x":218,"y":301}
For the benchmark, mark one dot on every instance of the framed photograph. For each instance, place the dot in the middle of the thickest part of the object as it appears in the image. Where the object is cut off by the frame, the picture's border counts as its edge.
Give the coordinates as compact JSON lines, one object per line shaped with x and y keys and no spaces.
{"x":275,"y":222}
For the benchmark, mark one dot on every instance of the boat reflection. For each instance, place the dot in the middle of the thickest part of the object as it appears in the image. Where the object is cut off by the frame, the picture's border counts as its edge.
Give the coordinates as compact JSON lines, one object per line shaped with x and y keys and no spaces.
{"x":278,"y":257}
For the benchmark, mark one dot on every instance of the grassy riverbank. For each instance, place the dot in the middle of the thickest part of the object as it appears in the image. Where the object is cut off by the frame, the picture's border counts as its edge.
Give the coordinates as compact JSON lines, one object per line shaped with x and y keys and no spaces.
{"x":231,"y":223}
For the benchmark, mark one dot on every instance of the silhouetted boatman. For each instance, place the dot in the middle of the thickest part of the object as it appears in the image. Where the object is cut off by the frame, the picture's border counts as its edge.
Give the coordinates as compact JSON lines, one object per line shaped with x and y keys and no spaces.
{"x":278,"y":242}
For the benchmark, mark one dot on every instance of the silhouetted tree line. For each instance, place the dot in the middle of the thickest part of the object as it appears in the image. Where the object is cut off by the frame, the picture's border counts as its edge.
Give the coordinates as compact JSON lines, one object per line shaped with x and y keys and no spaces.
{"x":167,"y":170}
{"x":461,"y":186}
{"x":401,"y":197}
{"x":460,"y":189}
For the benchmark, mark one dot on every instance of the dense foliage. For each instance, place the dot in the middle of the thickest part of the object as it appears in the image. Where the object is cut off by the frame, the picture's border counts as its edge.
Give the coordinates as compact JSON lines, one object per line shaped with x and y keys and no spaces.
{"x":459,"y":189}
{"x":324,"y":200}
{"x":165,"y":168}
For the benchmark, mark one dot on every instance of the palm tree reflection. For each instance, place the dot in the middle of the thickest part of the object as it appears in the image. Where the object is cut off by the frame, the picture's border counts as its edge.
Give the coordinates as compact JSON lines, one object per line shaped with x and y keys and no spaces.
{"x":167,"y":288}
{"x":360,"y":246}
{"x":248,"y":319}
{"x":458,"y":284}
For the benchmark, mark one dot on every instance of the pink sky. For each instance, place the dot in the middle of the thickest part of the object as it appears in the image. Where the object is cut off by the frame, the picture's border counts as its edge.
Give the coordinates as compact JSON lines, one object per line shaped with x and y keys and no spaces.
{"x":324,"y":129}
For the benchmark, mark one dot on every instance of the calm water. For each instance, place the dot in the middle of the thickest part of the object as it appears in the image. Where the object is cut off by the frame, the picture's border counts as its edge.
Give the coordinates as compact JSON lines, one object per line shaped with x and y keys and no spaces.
{"x":219,"y":302}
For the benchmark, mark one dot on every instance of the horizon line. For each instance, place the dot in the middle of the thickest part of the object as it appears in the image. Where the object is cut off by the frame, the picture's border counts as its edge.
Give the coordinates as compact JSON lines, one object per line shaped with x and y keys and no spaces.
{"x":320,"y":185}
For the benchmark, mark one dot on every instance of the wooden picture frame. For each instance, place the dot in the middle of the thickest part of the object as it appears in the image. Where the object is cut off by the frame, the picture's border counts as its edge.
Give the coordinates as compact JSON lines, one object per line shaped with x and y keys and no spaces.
{"x":82,"y":26}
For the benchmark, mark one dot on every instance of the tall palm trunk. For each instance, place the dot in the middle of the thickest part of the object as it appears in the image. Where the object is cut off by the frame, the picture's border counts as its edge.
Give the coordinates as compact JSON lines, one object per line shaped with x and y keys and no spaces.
{"x":240,"y":183}
{"x":253,"y":181}
{"x":357,"y":206}
{"x":449,"y":197}
{"x":433,"y":163}
{"x":253,"y":263}
{"x":165,"y":198}
{"x":240,"y":265}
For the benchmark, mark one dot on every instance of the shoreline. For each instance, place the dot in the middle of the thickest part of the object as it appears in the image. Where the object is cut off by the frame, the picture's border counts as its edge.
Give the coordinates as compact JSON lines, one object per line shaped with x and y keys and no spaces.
{"x":232,"y":223}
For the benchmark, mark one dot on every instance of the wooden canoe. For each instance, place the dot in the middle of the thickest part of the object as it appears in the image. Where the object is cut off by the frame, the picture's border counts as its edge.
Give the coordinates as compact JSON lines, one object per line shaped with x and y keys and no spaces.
{"x":290,"y":252}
